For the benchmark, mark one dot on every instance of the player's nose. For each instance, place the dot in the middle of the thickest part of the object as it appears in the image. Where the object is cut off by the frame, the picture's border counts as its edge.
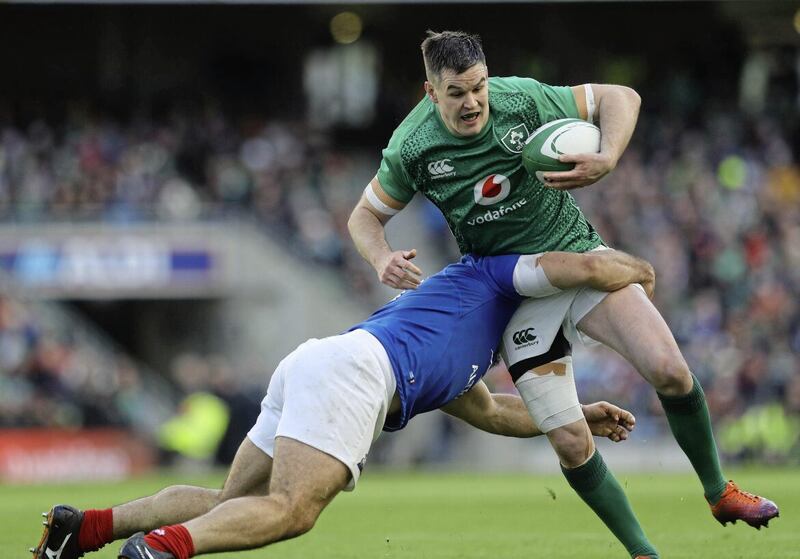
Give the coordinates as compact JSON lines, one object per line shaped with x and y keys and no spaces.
{"x":470,"y":101}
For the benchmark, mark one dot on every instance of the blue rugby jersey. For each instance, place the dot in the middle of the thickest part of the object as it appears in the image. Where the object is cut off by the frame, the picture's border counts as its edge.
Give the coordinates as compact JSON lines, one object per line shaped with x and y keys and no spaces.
{"x":441,"y":337}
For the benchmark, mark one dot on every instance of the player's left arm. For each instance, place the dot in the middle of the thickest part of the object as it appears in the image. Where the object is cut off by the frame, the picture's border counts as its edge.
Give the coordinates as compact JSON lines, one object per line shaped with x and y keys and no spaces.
{"x":506,"y":414}
{"x":616,"y":109}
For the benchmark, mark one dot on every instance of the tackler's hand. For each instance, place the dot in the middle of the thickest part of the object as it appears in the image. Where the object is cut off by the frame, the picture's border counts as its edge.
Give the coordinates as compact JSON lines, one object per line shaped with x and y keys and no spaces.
{"x":608,"y":420}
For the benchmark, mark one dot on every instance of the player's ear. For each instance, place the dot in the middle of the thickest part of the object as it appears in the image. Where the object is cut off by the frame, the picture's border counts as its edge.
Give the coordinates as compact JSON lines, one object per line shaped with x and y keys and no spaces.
{"x":430,"y":92}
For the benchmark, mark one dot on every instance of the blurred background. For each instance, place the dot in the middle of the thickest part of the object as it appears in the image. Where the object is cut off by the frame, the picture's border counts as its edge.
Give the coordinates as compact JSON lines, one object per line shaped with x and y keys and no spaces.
{"x":175,"y":182}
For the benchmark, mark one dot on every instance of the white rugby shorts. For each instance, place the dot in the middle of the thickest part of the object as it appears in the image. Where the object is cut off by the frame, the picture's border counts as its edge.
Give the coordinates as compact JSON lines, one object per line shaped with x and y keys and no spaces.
{"x":543,"y":329}
{"x":332,"y":394}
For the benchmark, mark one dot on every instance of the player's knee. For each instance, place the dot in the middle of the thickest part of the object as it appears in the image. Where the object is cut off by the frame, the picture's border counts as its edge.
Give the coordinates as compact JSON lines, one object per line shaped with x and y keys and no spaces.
{"x":296,"y":517}
{"x":302,"y":522}
{"x":670,"y":375}
{"x":572,"y":443}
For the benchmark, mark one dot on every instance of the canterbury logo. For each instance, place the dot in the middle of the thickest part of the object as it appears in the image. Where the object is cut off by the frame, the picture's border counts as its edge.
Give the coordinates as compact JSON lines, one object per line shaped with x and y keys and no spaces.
{"x":57,"y":553}
{"x":440,"y":168}
{"x":524,"y":336}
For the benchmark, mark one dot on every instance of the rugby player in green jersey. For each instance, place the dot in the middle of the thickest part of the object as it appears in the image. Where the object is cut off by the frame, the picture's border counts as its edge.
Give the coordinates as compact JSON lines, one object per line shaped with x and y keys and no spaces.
{"x":460,"y":147}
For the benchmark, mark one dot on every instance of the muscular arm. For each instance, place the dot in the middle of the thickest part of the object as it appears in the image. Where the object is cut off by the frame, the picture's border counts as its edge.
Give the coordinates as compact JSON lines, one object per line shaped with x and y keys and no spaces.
{"x":617,"y":110}
{"x":505,"y":414}
{"x":367,"y":228}
{"x":604,"y":270}
{"x":500,"y":414}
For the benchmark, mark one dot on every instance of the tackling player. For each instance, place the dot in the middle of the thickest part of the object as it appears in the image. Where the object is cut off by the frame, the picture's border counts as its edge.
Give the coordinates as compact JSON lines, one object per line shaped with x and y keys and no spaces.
{"x":460,"y":147}
{"x":329,"y":399}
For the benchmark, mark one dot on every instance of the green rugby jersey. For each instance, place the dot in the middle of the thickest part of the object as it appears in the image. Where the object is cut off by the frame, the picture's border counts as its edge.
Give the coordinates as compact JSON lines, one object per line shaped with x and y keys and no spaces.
{"x":492,"y":205}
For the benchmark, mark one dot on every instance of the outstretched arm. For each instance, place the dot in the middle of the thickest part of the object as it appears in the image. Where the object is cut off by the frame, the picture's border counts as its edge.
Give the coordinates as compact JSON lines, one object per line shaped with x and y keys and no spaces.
{"x":604,"y":270}
{"x":506,"y":414}
{"x":366,"y":225}
{"x":617,"y":110}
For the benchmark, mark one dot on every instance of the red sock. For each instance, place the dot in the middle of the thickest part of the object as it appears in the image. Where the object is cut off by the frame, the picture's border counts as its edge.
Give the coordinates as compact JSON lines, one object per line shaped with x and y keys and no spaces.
{"x":172,"y":539}
{"x":97,"y":529}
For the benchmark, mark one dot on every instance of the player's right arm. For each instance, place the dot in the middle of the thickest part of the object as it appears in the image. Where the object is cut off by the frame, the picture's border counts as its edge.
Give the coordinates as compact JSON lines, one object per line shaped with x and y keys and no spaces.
{"x":604,"y":270}
{"x":367,"y":228}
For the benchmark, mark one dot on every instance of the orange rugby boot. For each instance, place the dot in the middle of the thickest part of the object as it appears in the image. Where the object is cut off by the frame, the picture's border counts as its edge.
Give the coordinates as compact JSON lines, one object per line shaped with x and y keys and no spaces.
{"x":736,"y":504}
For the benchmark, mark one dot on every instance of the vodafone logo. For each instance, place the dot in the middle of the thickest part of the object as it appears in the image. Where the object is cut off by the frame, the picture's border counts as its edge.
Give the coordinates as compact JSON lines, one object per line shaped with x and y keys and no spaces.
{"x":492,"y":189}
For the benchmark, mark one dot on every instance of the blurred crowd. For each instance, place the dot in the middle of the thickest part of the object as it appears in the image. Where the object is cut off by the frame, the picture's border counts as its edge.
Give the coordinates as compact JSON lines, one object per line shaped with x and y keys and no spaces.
{"x":54,"y":376}
{"x":713,"y":204}
{"x":186,"y":166}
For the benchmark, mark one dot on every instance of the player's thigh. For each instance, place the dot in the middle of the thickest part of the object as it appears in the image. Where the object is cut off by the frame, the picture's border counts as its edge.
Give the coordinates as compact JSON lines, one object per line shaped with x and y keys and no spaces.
{"x":627,"y":322}
{"x":249,"y":474}
{"x":305,"y":477}
{"x":534,"y":334}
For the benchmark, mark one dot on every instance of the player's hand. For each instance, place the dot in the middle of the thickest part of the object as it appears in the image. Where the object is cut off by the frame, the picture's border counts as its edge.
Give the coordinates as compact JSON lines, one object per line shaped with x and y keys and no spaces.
{"x":608,"y":420}
{"x":396,"y":270}
{"x":589,"y":168}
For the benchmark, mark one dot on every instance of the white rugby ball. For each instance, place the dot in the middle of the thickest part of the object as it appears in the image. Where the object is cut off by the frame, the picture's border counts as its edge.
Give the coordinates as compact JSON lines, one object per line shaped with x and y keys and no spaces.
{"x":564,"y":136}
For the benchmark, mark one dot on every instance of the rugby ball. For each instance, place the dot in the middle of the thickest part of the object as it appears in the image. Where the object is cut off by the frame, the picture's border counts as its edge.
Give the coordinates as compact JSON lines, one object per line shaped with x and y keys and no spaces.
{"x":564,"y":136}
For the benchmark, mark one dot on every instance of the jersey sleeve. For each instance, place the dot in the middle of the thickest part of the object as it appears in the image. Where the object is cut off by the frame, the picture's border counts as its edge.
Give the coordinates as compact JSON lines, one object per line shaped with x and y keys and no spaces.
{"x":392,"y":175}
{"x":553,"y":101}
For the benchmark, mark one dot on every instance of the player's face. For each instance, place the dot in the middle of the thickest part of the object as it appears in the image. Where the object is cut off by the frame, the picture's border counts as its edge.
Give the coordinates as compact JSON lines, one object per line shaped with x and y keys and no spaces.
{"x":462,"y":99}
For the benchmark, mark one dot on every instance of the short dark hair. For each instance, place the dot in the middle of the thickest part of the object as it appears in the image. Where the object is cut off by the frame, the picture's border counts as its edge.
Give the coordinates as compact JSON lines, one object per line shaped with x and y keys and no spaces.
{"x":451,"y":50}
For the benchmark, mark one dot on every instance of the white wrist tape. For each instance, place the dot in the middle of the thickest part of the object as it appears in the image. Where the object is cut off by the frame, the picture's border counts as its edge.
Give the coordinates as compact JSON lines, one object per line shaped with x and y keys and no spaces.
{"x":376,"y":202}
{"x":550,"y":395}
{"x":590,"y":104}
{"x":530,"y":279}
